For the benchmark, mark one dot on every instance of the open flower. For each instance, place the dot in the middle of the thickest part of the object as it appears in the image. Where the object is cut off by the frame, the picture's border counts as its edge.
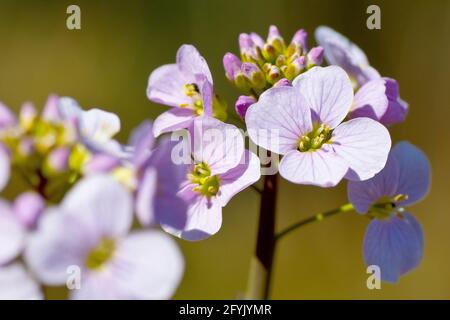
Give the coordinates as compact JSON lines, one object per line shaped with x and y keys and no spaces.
{"x":186,"y":86}
{"x":394,"y":239}
{"x":306,"y":119}
{"x":191,"y":191}
{"x":90,"y":230}
{"x":17,"y":284}
{"x":377,"y":97}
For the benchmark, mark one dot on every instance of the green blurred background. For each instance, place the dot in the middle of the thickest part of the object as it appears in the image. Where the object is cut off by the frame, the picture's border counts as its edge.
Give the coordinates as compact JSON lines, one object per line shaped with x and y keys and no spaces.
{"x":107,"y":64}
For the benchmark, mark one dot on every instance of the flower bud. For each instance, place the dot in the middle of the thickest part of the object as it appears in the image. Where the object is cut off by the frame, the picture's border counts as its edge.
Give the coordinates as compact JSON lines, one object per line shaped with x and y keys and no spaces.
{"x":242,"y":104}
{"x":28,"y":207}
{"x":254,"y":74}
{"x":242,"y":82}
{"x":27,"y":116}
{"x":301,"y":39}
{"x":275,"y":40}
{"x":269,"y":52}
{"x":7,"y":118}
{"x":295,"y":68}
{"x":232,"y":65}
{"x":246,"y":45}
{"x":315,"y":57}
{"x":274,"y":74}
{"x":25,"y":147}
{"x":58,"y":160}
{"x":51,"y":109}
{"x":257,"y":40}
{"x":282,"y":83}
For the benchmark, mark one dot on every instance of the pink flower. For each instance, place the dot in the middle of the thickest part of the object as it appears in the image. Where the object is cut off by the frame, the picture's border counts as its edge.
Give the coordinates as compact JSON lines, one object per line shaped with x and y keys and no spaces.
{"x":318,"y":147}
{"x":186,"y":86}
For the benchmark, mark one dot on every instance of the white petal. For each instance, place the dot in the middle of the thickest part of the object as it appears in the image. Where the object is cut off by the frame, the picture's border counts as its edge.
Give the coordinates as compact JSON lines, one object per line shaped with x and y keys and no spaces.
{"x":12,"y":234}
{"x":17,"y":284}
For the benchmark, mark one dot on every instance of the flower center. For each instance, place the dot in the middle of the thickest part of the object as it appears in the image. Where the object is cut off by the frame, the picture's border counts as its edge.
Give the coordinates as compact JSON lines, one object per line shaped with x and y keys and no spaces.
{"x":191,"y":90}
{"x":386,"y":206}
{"x":103,"y":252}
{"x":206,"y":184}
{"x":315,"y":139}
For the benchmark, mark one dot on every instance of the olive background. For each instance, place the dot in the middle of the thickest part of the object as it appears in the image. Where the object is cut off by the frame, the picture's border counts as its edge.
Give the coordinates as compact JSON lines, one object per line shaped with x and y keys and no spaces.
{"x":107,"y":63}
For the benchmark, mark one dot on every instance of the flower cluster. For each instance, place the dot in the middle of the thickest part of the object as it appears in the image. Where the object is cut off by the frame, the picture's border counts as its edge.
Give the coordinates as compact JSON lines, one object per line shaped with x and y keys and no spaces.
{"x":91,"y":210}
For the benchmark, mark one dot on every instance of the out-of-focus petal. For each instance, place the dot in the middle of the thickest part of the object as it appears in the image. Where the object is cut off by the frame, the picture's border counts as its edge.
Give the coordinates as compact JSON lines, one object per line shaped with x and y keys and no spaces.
{"x":17,"y":284}
{"x":172,"y":120}
{"x":5,"y":167}
{"x":7,"y":117}
{"x":12,"y":234}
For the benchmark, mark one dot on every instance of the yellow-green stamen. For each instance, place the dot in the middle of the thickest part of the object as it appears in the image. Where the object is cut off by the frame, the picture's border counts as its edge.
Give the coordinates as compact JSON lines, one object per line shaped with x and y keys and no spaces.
{"x":103,"y":252}
{"x":206,"y":184}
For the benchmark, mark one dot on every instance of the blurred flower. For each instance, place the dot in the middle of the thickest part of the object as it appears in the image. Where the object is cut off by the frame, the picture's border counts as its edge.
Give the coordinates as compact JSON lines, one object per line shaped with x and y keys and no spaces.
{"x":187,"y":87}
{"x":380,"y":100}
{"x":188,"y":197}
{"x":17,"y":284}
{"x":28,"y":207}
{"x":340,"y":51}
{"x":90,"y":229}
{"x":318,"y":148}
{"x":394,"y":239}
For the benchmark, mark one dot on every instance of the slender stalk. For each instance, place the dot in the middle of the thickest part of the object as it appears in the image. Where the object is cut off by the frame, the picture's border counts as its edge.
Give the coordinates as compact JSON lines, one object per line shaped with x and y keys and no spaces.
{"x":262,"y":262}
{"x":318,"y":217}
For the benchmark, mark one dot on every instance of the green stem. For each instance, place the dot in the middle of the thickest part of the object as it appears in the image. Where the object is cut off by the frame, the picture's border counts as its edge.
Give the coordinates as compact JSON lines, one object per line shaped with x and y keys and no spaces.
{"x":318,"y":217}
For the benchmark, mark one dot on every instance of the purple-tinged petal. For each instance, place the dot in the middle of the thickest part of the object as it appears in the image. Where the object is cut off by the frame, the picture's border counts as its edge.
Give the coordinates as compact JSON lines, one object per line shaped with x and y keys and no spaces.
{"x":51,"y":109}
{"x":301,"y":39}
{"x":12,"y":234}
{"x":282,"y":83}
{"x":7,"y":117}
{"x":145,"y":197}
{"x":363,"y":194}
{"x":28,"y":208}
{"x":341,"y":51}
{"x":279,"y":119}
{"x":142,"y":140}
{"x":273,"y":33}
{"x":206,"y":91}
{"x":415,"y":172}
{"x":364,"y":143}
{"x":166,"y":86}
{"x":204,"y":218}
{"x":239,"y":178}
{"x":395,"y":245}
{"x":61,"y":240}
{"x":103,"y":203}
{"x":257,"y":40}
{"x":191,"y":63}
{"x":397,"y":108}
{"x":17,"y":284}
{"x":5,"y":167}
{"x":219,"y":145}
{"x":101,"y":163}
{"x":98,"y":125}
{"x":246,"y":44}
{"x":370,"y":100}
{"x":315,"y":56}
{"x":232,"y":65}
{"x":172,"y":120}
{"x":320,"y":168}
{"x":328,"y":92}
{"x":58,"y":159}
{"x":242,"y":104}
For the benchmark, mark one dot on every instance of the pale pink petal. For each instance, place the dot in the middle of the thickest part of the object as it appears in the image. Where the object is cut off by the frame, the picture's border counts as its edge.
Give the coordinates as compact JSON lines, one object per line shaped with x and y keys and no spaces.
{"x":17,"y":284}
{"x":172,"y":120}
{"x":328,"y":92}
{"x":370,"y":100}
{"x":320,"y":168}
{"x":364,"y":143}
{"x":191,"y":62}
{"x":12,"y":234}
{"x":166,"y":86}
{"x":218,"y":144}
{"x":278,"y":120}
{"x":239,"y":178}
{"x":204,"y":218}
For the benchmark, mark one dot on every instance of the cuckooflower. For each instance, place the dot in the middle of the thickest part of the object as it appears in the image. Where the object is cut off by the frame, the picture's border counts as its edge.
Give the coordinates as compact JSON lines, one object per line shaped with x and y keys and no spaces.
{"x":17,"y":284}
{"x":192,"y":180}
{"x":377,"y":97}
{"x":394,"y":238}
{"x":90,"y":230}
{"x":187,"y":87}
{"x":307,"y":123}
